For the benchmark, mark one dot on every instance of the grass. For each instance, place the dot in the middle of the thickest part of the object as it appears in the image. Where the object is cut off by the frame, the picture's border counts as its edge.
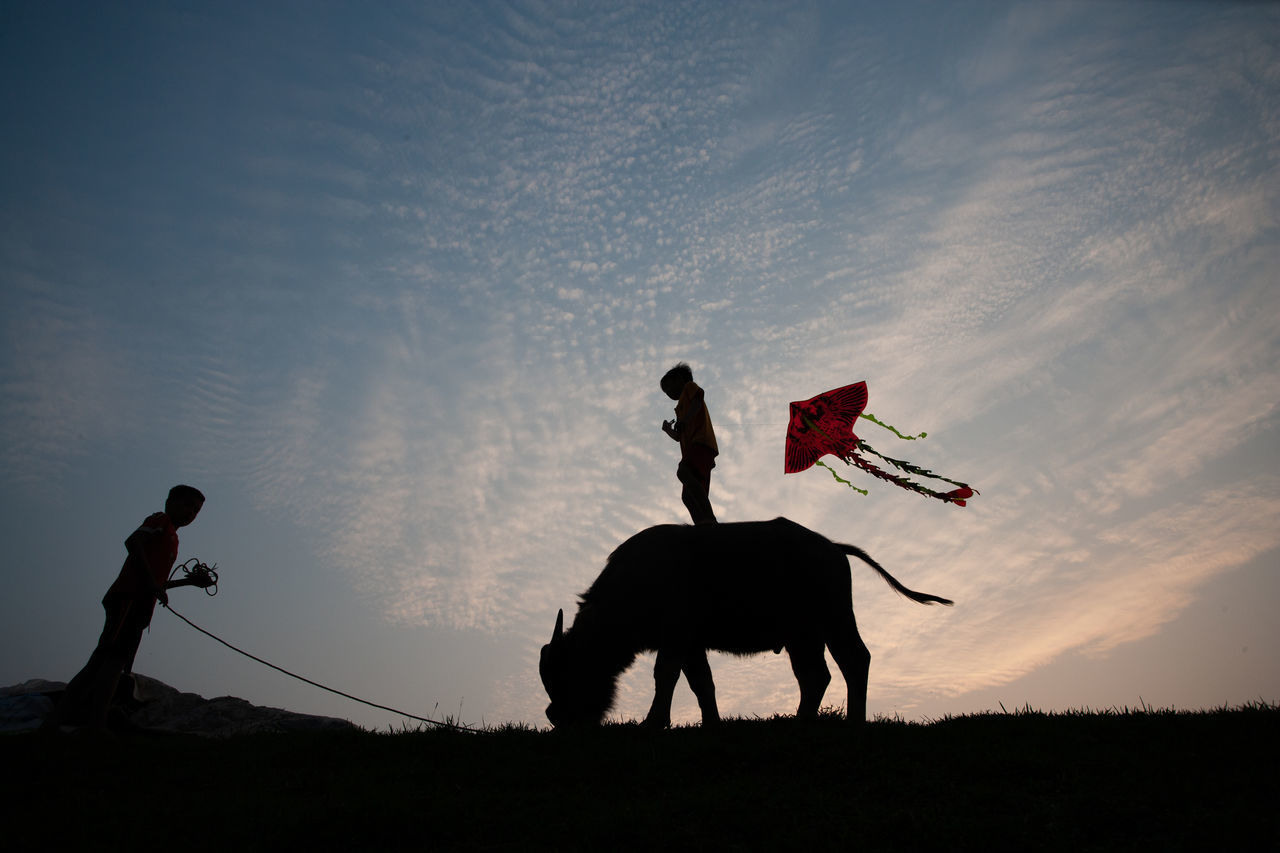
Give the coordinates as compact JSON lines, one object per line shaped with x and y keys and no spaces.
{"x":1137,"y":779}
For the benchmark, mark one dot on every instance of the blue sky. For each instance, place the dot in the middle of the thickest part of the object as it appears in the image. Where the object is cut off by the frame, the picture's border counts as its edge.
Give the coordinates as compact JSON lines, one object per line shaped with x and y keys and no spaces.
{"x":394,"y":286}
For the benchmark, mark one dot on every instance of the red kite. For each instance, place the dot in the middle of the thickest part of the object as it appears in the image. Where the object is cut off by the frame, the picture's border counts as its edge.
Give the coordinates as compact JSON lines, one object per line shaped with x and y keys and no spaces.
{"x":824,"y":424}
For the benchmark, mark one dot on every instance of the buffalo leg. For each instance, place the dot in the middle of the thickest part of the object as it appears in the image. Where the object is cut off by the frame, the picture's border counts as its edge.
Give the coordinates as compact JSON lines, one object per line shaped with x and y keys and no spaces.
{"x":666,"y":672}
{"x":854,"y":660}
{"x":810,"y":667}
{"x":698,"y":673}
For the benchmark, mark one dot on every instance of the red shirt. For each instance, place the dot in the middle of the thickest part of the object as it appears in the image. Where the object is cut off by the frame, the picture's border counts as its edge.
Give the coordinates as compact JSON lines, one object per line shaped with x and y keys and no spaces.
{"x":157,"y":538}
{"x":696,"y":429}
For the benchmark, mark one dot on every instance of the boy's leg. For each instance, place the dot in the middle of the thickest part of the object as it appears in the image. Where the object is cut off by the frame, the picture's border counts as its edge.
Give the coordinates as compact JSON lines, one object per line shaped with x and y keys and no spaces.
{"x":695,"y":475}
{"x":72,"y":705}
{"x":118,"y":661}
{"x":88,"y":696}
{"x":101,"y":689}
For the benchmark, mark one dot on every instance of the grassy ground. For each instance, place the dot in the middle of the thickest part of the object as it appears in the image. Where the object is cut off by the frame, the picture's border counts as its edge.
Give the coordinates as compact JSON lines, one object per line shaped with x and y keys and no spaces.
{"x":1143,"y":780}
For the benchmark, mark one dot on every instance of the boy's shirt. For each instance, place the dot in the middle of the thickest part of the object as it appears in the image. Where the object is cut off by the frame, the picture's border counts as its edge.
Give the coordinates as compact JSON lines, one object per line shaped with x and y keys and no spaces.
{"x":160,"y":543}
{"x":700,"y":431}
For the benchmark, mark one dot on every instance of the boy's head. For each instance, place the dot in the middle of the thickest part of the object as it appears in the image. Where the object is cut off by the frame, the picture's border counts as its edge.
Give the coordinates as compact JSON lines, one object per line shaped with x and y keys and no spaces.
{"x":183,"y":504}
{"x":674,"y":380}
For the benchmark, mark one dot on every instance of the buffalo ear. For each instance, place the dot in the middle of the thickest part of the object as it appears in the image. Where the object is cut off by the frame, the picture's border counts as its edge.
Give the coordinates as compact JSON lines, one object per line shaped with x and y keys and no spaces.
{"x":559,"y":631}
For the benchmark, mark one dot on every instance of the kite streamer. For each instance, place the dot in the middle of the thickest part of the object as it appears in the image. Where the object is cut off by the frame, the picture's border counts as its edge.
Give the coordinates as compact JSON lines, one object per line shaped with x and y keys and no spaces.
{"x":823,"y":425}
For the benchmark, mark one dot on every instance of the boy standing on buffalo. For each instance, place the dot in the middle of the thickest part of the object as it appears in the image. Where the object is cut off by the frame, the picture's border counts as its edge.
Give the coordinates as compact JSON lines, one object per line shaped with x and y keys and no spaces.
{"x":130,"y":602}
{"x":698,"y":448}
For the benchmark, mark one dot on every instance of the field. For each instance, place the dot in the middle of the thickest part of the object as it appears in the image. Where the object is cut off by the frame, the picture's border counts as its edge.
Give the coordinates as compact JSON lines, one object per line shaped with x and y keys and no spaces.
{"x":1131,"y":780}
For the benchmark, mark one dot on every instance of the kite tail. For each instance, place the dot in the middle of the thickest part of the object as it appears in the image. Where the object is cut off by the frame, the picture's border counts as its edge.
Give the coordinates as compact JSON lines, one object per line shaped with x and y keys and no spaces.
{"x":867,"y":416}
{"x":916,"y":470}
{"x":840,"y":479}
{"x":956,"y":496}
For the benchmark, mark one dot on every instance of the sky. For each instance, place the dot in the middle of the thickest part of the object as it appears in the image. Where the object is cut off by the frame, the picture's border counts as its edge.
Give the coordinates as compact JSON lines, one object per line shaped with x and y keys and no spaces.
{"x":393,"y":284}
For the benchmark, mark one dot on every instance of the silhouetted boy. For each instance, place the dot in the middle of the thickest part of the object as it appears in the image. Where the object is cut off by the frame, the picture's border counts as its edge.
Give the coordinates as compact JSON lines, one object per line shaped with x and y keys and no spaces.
{"x":130,"y":602}
{"x":698,"y":448}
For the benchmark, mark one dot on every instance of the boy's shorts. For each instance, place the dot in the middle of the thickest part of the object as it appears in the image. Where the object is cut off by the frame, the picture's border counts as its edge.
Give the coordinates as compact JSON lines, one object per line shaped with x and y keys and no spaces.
{"x":699,"y":459}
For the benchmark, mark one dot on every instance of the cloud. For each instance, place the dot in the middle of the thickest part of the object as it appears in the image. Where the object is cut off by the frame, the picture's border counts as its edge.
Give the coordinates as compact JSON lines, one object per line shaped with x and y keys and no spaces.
{"x":66,"y":382}
{"x":420,"y":313}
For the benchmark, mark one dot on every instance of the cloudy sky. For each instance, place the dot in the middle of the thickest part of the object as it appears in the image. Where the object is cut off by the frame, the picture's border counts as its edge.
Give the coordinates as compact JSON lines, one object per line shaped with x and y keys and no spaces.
{"x":394,"y":284}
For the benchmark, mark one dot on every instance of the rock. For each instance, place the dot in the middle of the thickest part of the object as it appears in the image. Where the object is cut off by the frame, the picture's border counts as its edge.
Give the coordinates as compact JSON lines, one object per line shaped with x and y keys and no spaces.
{"x":24,"y":706}
{"x":157,"y":707}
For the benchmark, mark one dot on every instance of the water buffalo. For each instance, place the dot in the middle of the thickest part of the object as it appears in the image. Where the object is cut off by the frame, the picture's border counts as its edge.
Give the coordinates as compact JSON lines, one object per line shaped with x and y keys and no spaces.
{"x":680,"y":590}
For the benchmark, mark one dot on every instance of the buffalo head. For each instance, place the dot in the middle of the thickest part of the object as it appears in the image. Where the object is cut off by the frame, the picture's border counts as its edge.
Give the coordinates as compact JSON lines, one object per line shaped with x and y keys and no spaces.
{"x":571,"y":698}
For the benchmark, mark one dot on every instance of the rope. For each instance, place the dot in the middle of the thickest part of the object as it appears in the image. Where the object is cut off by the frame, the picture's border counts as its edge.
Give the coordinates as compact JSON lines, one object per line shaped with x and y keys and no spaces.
{"x":200,"y":574}
{"x":318,"y":684}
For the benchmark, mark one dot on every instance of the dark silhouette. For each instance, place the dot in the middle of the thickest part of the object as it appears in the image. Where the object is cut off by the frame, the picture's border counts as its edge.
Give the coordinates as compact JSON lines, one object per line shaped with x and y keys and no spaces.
{"x":130,"y":603}
{"x":744,"y":588}
{"x":698,"y":448}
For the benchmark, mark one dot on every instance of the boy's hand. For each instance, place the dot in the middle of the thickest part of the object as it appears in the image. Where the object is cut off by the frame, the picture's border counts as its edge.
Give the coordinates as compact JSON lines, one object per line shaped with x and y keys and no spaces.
{"x":669,"y":427}
{"x":162,"y":596}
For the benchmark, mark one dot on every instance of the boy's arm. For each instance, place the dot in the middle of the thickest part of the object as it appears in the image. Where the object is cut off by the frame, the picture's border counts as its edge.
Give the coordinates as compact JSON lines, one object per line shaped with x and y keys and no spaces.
{"x":202,"y":582}
{"x":672,"y":429}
